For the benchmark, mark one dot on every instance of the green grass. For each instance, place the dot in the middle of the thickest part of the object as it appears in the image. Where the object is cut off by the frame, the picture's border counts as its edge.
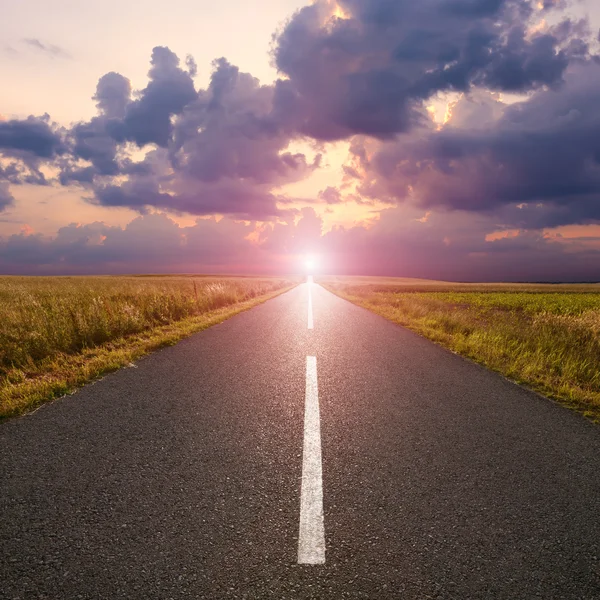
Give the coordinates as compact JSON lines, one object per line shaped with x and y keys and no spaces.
{"x":57,"y":333}
{"x":544,"y":336}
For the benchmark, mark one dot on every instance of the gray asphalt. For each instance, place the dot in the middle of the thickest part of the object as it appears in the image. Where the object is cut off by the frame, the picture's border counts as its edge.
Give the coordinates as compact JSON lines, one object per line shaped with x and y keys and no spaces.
{"x":180,"y":478}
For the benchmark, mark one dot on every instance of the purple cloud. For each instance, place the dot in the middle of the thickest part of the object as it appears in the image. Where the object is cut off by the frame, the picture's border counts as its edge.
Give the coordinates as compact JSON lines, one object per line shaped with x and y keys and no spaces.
{"x":27,"y":144}
{"x":148,"y":119}
{"x":113,"y":94}
{"x":6,"y":198}
{"x":34,"y":136}
{"x":224,"y":153}
{"x":369,"y":73}
{"x":330,"y":195}
{"x":151,"y":242}
{"x":536,"y":165}
{"x":453,"y":246}
{"x":366,"y":77}
{"x":441,"y":245}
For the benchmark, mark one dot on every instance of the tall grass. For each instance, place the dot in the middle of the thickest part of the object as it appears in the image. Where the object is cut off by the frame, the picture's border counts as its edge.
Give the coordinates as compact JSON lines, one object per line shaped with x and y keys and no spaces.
{"x":541,"y":336}
{"x":47,"y":324}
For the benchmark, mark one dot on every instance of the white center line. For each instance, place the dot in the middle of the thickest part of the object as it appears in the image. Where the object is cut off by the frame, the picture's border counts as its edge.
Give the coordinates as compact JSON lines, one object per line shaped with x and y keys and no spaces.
{"x":311,"y":540}
{"x":310,"y":311}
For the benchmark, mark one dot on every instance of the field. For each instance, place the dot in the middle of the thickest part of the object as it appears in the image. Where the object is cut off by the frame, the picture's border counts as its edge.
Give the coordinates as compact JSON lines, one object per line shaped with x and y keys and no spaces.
{"x":57,"y":333}
{"x":544,"y":336}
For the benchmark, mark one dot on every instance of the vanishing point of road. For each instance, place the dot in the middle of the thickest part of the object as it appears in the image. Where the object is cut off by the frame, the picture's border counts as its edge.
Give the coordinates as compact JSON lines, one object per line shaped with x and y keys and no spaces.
{"x":303,"y":449}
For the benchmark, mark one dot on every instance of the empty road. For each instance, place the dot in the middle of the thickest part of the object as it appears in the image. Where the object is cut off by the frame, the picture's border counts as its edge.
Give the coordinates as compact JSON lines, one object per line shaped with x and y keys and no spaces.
{"x":303,"y":449}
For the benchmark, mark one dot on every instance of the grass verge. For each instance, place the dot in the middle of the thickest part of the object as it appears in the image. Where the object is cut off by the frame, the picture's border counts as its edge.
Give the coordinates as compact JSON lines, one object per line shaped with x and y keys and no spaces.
{"x":546,"y":337}
{"x":28,"y":380}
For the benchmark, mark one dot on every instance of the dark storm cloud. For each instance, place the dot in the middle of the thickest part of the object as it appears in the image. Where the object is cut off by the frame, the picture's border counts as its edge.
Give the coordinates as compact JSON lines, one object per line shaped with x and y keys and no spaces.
{"x":537,"y":165}
{"x":369,"y":73}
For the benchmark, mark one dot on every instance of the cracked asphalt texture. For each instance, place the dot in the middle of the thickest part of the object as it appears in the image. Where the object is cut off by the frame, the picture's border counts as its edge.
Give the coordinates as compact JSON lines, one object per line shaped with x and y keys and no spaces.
{"x":180,"y":478}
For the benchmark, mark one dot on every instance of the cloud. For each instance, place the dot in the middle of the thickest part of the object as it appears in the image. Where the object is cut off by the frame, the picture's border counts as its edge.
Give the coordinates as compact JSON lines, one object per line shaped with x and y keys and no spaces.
{"x":369,"y":71}
{"x":230,"y":197}
{"x":331,"y":195}
{"x":148,"y":243}
{"x":223,"y":150}
{"x":226,"y":149}
{"x":34,"y":136}
{"x":20,"y":172}
{"x":6,"y":198}
{"x":113,"y":94}
{"x":535,"y":163}
{"x":453,"y":246}
{"x":230,"y":132}
{"x":362,"y":71}
{"x":155,"y":243}
{"x":170,"y":89}
{"x":26,"y":145}
{"x":145,"y":120}
{"x":49,"y":49}
{"x":97,"y":141}
{"x":445,"y":245}
{"x":92,"y":142}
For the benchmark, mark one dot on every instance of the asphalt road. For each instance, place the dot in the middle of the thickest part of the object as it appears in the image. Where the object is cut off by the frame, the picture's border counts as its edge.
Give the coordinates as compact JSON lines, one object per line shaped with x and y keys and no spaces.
{"x":182,"y":477}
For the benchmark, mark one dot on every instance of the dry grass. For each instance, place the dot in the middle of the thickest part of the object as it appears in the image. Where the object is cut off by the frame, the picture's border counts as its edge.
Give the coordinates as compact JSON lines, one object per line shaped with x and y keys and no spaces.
{"x":544,"y":336}
{"x":57,"y":333}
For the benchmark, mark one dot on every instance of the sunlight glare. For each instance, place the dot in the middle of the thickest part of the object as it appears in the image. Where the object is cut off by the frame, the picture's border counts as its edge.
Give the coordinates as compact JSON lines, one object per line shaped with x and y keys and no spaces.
{"x":310,"y":263}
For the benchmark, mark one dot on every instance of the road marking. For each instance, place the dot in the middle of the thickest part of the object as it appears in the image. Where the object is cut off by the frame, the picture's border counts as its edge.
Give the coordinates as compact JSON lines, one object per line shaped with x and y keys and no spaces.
{"x":310,"y":312}
{"x":311,"y":540}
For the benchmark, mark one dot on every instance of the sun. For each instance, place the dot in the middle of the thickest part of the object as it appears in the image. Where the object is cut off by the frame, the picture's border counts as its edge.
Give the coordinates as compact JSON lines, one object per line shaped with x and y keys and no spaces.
{"x":310,"y":263}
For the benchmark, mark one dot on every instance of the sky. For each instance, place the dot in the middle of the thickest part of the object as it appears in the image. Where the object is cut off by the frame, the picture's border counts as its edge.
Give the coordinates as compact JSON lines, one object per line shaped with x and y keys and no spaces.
{"x":444,"y":139}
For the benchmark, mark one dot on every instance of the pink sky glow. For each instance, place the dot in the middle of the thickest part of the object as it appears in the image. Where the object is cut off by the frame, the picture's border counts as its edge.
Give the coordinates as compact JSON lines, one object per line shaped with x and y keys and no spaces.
{"x":373,"y":135}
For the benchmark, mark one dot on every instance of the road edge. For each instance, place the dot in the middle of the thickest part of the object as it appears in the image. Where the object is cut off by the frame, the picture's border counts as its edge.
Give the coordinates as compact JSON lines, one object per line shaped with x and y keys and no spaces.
{"x":90,"y":365}
{"x":540,"y":391}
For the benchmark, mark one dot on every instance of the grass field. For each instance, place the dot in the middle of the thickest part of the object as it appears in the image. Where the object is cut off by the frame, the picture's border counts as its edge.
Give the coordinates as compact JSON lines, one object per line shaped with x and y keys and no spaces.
{"x":57,"y":333}
{"x":543,"y":336}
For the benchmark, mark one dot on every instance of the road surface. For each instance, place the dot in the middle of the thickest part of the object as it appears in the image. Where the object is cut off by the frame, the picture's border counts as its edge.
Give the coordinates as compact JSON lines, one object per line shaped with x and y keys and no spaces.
{"x":263,"y":458}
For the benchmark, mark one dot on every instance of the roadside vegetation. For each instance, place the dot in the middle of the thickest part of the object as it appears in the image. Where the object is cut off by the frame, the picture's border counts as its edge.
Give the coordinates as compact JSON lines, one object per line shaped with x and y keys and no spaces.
{"x":57,"y":333}
{"x":544,"y":336}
